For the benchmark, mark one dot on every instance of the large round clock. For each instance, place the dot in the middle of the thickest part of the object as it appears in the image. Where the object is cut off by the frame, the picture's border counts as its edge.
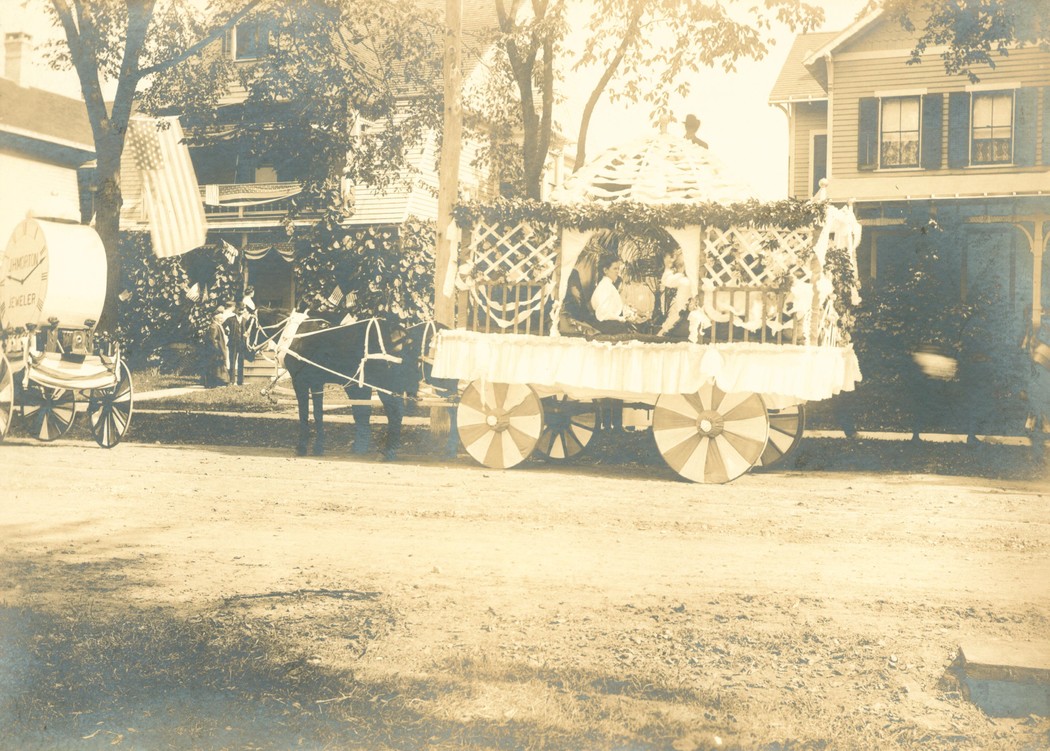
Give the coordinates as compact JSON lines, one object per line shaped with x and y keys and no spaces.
{"x":51,"y":270}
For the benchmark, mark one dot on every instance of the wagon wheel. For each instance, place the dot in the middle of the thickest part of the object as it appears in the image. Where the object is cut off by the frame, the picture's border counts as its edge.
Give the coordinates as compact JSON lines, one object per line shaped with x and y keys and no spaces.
{"x":785,"y":432}
{"x":499,"y":423}
{"x":568,"y":427}
{"x":710,"y":436}
{"x":109,"y":410}
{"x":49,"y":411}
{"x":7,"y":396}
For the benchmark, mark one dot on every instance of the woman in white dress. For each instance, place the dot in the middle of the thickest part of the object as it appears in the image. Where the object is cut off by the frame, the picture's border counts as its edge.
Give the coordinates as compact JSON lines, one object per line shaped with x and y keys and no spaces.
{"x":675,"y":282}
{"x":612,"y":314}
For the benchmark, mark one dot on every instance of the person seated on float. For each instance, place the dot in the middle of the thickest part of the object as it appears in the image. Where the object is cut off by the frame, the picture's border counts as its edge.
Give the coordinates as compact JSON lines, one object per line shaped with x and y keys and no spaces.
{"x":574,"y":306}
{"x":675,"y":283}
{"x":611,"y":313}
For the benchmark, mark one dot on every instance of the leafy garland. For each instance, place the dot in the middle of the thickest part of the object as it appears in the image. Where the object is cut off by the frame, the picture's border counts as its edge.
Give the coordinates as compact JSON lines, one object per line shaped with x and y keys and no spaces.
{"x":789,"y":213}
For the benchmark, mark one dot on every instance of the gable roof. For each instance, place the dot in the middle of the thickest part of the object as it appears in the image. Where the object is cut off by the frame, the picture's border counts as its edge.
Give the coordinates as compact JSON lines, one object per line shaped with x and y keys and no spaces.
{"x":840,"y":38}
{"x":44,"y":116}
{"x":796,"y":82}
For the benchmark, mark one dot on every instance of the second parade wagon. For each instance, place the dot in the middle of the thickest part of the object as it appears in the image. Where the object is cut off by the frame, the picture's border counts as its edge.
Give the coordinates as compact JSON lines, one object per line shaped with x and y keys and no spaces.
{"x":771,"y":293}
{"x":52,"y":288}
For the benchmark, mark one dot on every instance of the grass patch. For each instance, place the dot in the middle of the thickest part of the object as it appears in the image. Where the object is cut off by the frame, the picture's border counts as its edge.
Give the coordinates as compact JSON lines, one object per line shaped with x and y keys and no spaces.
{"x":152,"y":379}
{"x":247,"y":399}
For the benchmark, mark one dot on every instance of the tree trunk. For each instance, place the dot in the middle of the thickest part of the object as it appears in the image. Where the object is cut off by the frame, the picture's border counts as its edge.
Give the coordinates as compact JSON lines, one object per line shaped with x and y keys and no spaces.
{"x":108,"y":201}
{"x":599,"y":89}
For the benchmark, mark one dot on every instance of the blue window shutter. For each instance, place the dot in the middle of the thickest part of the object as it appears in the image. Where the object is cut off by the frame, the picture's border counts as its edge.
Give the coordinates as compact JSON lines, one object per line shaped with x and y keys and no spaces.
{"x":932,"y":120}
{"x":1046,"y":125}
{"x":958,"y":129}
{"x":1026,"y":118}
{"x":868,"y":134}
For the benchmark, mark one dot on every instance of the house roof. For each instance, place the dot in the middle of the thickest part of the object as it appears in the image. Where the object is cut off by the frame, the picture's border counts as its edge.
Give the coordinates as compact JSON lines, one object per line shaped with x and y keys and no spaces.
{"x":841,"y":37}
{"x":44,"y":116}
{"x":796,"y":82}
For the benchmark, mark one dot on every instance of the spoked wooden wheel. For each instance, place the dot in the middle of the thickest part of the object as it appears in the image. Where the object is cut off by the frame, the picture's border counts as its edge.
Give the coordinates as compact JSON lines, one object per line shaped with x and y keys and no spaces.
{"x":7,"y":395}
{"x":109,"y":410}
{"x":499,"y":423}
{"x":710,"y":436}
{"x":568,"y":427}
{"x":48,"y":411}
{"x":785,"y":432}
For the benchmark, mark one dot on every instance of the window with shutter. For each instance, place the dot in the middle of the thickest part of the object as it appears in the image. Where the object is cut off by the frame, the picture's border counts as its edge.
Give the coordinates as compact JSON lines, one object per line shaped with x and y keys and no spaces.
{"x":899,"y":132}
{"x":993,"y":128}
{"x":251,"y":40}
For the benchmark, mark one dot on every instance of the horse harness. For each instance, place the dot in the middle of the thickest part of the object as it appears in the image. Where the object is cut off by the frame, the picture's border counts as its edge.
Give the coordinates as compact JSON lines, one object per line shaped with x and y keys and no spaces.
{"x":358,"y":378}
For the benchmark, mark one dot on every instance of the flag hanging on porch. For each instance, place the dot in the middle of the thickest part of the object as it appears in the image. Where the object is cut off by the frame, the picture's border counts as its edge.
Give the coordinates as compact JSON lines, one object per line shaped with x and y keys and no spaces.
{"x":169,"y":185}
{"x":230,"y":252}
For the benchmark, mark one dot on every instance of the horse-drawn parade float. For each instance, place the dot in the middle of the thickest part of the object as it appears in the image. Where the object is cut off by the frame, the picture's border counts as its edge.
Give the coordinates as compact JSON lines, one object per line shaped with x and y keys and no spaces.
{"x":651,"y":295}
{"x":52,"y":288}
{"x":734,"y":315}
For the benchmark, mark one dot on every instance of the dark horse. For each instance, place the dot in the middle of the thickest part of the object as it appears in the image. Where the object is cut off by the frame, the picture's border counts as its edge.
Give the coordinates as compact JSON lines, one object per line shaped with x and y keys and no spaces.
{"x":364,"y":356}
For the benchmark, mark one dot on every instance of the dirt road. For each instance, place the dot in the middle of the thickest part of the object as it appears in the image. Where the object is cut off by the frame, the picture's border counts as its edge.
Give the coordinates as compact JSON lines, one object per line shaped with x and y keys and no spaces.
{"x":210,"y":597}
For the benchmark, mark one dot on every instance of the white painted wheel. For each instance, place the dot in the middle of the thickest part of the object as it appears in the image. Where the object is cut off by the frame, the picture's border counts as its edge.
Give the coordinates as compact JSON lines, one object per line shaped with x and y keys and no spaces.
{"x":7,"y":395}
{"x":499,"y":423}
{"x":568,"y":428}
{"x":710,"y":436}
{"x":785,"y":432}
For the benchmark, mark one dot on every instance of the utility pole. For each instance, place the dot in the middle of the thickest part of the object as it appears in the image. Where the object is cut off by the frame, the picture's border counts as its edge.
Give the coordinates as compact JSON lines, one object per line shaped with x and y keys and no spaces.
{"x":448,"y":170}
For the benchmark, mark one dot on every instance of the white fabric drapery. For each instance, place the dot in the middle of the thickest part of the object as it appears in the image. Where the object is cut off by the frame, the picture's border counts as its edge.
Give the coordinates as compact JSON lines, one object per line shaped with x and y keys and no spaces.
{"x":688,"y":239}
{"x":646,"y":369}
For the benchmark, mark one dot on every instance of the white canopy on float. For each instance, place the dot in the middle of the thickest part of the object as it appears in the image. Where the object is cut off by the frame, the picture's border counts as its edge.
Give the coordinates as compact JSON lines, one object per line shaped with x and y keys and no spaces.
{"x":660,"y":170}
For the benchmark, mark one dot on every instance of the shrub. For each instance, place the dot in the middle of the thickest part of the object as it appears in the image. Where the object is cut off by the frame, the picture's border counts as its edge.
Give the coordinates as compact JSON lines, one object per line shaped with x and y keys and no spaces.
{"x":155,"y":309}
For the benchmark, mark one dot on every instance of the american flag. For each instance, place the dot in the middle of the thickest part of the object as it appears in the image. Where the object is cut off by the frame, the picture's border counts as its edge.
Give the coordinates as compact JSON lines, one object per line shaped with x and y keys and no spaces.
{"x":230,"y":252}
{"x":336,"y":297}
{"x":169,"y":185}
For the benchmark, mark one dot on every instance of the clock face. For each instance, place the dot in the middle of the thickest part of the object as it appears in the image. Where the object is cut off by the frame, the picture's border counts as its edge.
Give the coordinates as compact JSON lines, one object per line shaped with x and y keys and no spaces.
{"x":23,"y":277}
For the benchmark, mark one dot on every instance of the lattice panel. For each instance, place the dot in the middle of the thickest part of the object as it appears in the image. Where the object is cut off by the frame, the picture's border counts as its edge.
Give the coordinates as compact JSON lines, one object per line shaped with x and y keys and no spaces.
{"x":750,"y":257}
{"x":519,"y":253}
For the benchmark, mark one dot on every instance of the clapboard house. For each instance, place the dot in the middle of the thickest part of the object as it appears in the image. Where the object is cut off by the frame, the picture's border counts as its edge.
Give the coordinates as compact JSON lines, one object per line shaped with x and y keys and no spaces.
{"x":46,"y":147}
{"x":927,"y":157}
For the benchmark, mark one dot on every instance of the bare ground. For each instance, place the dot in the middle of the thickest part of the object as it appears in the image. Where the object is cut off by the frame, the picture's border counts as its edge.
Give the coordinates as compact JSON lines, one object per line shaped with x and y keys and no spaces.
{"x":210,"y":597}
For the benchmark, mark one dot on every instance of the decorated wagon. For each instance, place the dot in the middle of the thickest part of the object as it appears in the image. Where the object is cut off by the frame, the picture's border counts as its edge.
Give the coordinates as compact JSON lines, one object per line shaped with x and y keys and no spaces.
{"x":52,"y":287}
{"x":719,"y":364}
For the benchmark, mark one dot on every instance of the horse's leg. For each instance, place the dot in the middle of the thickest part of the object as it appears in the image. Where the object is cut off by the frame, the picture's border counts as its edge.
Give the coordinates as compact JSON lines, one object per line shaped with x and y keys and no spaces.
{"x":394,"y":406}
{"x":317,"y":392}
{"x":452,"y":446}
{"x":302,"y":400}
{"x":362,"y":418}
